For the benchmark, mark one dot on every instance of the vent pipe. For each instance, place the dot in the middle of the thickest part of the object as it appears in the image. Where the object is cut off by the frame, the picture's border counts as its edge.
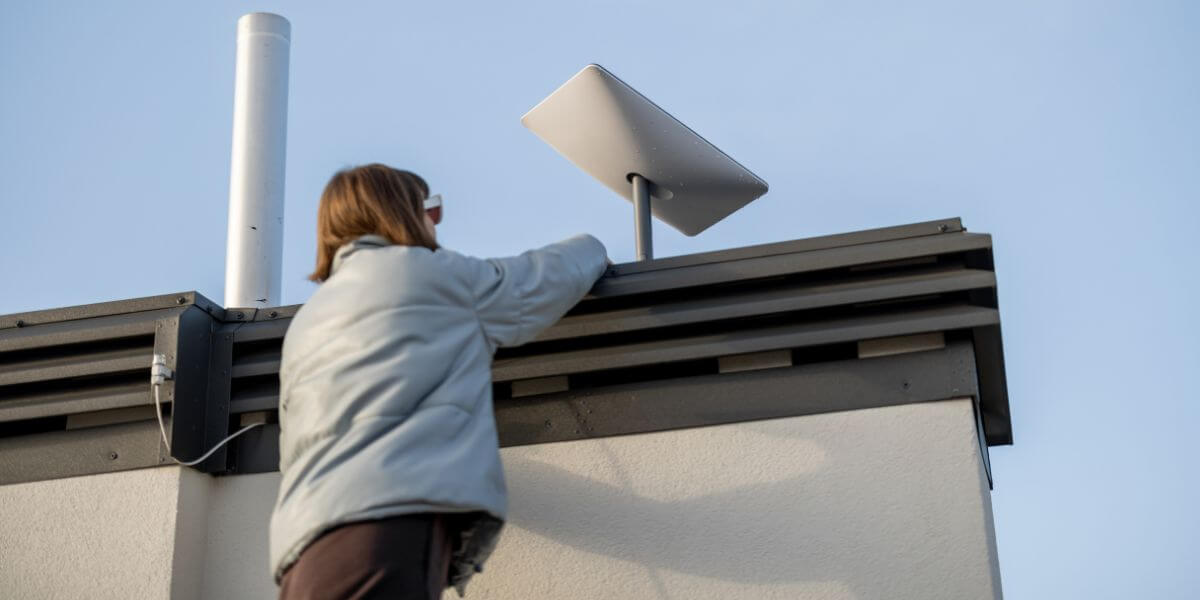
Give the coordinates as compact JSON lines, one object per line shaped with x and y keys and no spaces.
{"x":254,"y":250}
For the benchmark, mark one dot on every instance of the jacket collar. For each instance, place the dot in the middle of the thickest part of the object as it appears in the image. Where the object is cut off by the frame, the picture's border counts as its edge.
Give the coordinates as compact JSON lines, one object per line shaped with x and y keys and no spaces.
{"x":364,"y":242}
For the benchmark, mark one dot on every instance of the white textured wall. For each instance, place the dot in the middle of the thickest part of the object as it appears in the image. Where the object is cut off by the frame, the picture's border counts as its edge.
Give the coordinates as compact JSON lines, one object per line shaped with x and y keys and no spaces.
{"x":148,"y":534}
{"x":97,"y":537}
{"x":881,"y":503}
{"x":236,"y":549}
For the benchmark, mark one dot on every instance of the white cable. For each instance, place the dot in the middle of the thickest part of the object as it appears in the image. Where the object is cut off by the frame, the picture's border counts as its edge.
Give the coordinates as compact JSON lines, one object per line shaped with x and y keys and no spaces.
{"x":158,"y":413}
{"x":163,"y":430}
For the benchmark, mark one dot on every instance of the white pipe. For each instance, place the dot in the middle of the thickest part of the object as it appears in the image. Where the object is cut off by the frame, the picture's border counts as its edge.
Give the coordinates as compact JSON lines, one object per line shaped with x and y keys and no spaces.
{"x":254,"y":250}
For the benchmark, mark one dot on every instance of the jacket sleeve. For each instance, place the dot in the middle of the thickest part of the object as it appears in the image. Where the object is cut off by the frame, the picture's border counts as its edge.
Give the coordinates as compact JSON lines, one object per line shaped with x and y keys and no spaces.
{"x":518,"y":297}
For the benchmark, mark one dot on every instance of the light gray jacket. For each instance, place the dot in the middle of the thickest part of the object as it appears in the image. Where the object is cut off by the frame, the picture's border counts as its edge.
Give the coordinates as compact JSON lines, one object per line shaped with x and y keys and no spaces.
{"x":385,"y":404}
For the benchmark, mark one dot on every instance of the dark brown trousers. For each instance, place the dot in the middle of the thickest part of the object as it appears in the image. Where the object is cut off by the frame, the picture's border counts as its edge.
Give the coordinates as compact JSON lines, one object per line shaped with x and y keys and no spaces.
{"x":405,"y":557}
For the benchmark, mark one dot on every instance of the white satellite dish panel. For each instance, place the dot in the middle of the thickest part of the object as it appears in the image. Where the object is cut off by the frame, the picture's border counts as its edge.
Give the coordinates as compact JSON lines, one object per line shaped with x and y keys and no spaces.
{"x":611,"y":131}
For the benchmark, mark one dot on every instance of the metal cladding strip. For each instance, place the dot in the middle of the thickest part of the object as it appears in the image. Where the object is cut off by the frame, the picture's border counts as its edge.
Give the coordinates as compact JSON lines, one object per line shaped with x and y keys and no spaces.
{"x":79,"y":331}
{"x":65,"y":379}
{"x":787,"y":264}
{"x":60,"y":454}
{"x":92,"y":363}
{"x":791,"y":298}
{"x":220,"y":384}
{"x":869,"y":236}
{"x":74,"y":401}
{"x":798,"y":297}
{"x":708,"y":400}
{"x":989,"y":351}
{"x":717,"y":399}
{"x":101,"y":309}
{"x":264,"y":400}
{"x":707,"y":346}
{"x":199,"y":420}
{"x":783,"y":299}
{"x":266,"y":362}
{"x":263,"y":363}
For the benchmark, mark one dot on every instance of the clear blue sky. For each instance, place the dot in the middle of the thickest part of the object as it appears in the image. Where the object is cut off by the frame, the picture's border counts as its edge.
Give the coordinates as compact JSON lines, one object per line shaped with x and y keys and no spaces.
{"x":1069,"y":131}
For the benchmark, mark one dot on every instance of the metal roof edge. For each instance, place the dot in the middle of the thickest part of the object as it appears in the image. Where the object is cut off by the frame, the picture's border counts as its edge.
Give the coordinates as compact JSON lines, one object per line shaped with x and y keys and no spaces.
{"x":113,"y":307}
{"x":838,"y":240}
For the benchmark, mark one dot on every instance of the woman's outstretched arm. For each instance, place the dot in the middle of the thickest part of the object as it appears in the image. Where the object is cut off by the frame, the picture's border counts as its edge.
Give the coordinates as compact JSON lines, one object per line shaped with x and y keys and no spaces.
{"x":518,"y":297}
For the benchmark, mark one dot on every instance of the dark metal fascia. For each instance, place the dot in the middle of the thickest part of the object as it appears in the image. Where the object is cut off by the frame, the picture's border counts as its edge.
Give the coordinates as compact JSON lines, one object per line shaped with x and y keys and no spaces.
{"x":784,"y":298}
{"x":723,"y":302}
{"x":103,"y":356}
{"x":58,"y":454}
{"x":117,"y":307}
{"x":948,"y":318}
{"x":199,"y":417}
{"x":97,"y":363}
{"x":707,"y":400}
{"x":708,"y":346}
{"x":80,"y":331}
{"x":727,"y":271}
{"x":868,"y":236}
{"x":718,"y":399}
{"x":69,"y":402}
{"x":989,"y":353}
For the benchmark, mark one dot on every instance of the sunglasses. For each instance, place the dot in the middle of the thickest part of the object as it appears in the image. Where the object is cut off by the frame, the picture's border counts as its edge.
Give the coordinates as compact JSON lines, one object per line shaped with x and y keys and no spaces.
{"x":433,"y":208}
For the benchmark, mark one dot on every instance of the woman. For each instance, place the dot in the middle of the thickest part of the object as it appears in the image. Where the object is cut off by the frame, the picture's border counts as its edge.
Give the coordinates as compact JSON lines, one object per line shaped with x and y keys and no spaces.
{"x":391,"y":478}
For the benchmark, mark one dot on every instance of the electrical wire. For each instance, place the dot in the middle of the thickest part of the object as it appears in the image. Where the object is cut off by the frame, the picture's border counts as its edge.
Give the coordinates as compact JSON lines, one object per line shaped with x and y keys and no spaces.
{"x":163,"y":430}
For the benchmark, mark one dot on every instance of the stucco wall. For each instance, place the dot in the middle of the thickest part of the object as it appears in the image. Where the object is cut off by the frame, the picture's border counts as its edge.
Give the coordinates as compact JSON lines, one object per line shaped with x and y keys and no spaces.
{"x":236,"y":549}
{"x":100,"y":536}
{"x":167,"y":532}
{"x":879,"y":503}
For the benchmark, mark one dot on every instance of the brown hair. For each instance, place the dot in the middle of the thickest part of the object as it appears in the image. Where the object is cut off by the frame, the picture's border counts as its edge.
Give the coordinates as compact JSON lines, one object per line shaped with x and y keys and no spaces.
{"x":372,"y":199}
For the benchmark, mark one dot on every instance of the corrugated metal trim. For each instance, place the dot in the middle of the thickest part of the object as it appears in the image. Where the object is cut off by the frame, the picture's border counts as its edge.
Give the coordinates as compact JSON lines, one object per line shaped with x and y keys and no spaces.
{"x":676,"y":403}
{"x":264,"y":360}
{"x":63,"y":333}
{"x":717,"y":399}
{"x":96,"y":362}
{"x":77,"y":399}
{"x":68,"y":366}
{"x":257,"y":360}
{"x":260,"y":362}
{"x":649,"y":326}
{"x":753,"y":340}
{"x":784,"y":298}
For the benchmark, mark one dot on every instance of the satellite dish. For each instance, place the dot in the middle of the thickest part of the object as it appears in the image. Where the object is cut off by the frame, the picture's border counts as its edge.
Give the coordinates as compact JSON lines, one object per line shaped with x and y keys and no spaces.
{"x":643,"y":154}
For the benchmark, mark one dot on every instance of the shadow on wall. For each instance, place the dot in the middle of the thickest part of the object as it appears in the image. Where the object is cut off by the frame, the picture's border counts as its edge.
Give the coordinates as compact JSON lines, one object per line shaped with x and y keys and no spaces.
{"x":886,"y":508}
